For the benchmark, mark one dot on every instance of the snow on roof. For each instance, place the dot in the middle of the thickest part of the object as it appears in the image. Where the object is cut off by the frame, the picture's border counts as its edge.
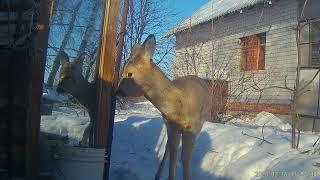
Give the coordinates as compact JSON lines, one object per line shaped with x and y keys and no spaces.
{"x":211,"y":10}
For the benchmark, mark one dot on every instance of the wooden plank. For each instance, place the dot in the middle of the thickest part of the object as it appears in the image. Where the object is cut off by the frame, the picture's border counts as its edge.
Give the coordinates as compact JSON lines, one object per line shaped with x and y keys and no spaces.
{"x":4,"y":89}
{"x":122,"y":33}
{"x":15,"y":5}
{"x":106,"y":72}
{"x":105,"y":91}
{"x":258,"y":53}
{"x":40,"y":44}
{"x":4,"y":74}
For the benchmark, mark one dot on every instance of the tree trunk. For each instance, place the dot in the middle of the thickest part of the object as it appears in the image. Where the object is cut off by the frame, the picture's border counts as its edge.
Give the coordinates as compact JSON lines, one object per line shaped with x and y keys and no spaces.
{"x":89,"y":29}
{"x":55,"y":11}
{"x":56,"y":63}
{"x":91,"y":62}
{"x":131,"y":23}
{"x":121,"y":40}
{"x":142,"y":25}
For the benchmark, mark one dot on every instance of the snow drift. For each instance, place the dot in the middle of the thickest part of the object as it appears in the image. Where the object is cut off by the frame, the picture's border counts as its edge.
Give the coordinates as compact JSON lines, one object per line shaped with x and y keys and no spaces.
{"x":228,"y":151}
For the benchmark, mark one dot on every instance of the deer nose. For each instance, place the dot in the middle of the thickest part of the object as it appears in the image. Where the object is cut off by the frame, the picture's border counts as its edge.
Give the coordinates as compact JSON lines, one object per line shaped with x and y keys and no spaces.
{"x":118,"y":91}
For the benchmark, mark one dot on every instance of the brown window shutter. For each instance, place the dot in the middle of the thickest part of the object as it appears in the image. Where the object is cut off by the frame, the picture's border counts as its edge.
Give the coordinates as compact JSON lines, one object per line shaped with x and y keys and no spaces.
{"x":253,"y":57}
{"x":254,"y":48}
{"x":261,"y":61}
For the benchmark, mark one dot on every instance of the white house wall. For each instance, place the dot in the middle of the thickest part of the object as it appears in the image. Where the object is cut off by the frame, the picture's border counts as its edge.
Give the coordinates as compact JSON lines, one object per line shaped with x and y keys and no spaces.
{"x":219,"y":43}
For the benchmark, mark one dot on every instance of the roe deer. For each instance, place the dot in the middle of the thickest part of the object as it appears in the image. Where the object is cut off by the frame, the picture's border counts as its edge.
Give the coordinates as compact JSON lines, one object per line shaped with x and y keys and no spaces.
{"x":71,"y":81}
{"x":185,"y":103}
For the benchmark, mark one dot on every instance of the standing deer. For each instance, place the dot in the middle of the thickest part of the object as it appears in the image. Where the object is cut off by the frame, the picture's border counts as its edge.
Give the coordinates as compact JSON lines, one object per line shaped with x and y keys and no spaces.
{"x":185,"y":103}
{"x":71,"y":81}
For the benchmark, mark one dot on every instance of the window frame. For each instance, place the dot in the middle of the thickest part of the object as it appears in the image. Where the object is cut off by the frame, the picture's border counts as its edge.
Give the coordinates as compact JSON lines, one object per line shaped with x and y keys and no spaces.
{"x":307,"y":59}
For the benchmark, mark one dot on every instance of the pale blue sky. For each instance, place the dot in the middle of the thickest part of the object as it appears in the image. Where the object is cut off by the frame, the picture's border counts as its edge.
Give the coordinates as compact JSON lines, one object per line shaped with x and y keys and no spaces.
{"x":185,"y":7}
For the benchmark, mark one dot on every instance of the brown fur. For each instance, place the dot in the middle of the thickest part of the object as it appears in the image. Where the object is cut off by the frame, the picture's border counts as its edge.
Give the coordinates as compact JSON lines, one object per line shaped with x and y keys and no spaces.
{"x":72,"y":82}
{"x":185,"y":103}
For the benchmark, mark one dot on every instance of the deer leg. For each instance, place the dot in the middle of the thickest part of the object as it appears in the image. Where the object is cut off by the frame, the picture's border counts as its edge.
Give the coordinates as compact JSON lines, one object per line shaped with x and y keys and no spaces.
{"x":86,"y":137}
{"x":166,"y":153}
{"x":91,"y":134}
{"x":165,"y":156}
{"x":188,"y":140}
{"x":173,"y":140}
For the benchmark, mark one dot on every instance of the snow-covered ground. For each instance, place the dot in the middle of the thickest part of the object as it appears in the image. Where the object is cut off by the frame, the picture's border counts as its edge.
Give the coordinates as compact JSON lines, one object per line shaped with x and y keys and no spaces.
{"x":51,"y":94}
{"x":227,"y":151}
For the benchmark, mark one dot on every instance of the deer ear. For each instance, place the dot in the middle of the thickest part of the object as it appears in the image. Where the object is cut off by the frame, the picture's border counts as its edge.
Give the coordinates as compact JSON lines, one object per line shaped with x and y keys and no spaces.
{"x":64,"y":58}
{"x":135,"y":48}
{"x":80,"y":58}
{"x":149,"y":46}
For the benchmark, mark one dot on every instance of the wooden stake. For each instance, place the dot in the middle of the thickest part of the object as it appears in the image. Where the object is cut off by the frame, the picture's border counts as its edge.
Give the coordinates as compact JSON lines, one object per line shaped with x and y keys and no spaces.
{"x":106,"y":72}
{"x":40,"y":44}
{"x":121,"y":40}
{"x":105,"y":89}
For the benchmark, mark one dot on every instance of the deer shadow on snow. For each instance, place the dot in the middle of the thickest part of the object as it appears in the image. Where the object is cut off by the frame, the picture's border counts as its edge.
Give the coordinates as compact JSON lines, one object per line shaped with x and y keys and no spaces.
{"x":136,"y":154}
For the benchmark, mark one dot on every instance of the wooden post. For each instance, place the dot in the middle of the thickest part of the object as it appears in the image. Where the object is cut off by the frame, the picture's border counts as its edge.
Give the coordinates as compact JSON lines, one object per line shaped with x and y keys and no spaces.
{"x":40,"y":44}
{"x":105,"y":90}
{"x":258,"y":53}
{"x":121,"y":40}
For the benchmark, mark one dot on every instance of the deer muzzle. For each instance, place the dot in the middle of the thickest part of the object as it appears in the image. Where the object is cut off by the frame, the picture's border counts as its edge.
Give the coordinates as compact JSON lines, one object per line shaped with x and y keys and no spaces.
{"x":128,"y":87}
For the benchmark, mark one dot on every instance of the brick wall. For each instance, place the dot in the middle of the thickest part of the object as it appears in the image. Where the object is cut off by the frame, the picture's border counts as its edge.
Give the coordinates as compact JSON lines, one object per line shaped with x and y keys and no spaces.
{"x":212,"y":50}
{"x":284,"y":109}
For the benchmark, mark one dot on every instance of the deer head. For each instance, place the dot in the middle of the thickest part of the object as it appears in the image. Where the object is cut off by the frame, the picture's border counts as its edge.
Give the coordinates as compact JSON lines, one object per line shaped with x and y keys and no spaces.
{"x":141,"y":76}
{"x":70,"y":75}
{"x":71,"y":81}
{"x":138,"y":70}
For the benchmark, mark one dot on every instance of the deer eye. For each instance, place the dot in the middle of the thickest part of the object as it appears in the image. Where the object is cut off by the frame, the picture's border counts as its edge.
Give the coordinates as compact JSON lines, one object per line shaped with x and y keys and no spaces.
{"x":129,"y":74}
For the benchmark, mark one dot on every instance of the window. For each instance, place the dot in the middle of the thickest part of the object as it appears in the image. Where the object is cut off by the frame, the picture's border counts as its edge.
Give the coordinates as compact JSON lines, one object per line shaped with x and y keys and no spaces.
{"x":253,"y":52}
{"x":315,"y":42}
{"x":310,"y":44}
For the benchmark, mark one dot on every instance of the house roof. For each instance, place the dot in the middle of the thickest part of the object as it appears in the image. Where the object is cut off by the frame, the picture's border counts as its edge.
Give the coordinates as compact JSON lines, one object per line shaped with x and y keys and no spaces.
{"x":213,"y":9}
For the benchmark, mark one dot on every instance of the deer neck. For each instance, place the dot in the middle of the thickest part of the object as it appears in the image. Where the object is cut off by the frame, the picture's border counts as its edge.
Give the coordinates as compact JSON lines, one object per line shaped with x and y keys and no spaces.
{"x":88,"y":95}
{"x":161,"y":91}
{"x":84,"y":93}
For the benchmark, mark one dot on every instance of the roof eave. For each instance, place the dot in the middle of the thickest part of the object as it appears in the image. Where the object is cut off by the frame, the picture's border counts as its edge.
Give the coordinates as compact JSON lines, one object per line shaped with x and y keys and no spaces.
{"x":182,"y":27}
